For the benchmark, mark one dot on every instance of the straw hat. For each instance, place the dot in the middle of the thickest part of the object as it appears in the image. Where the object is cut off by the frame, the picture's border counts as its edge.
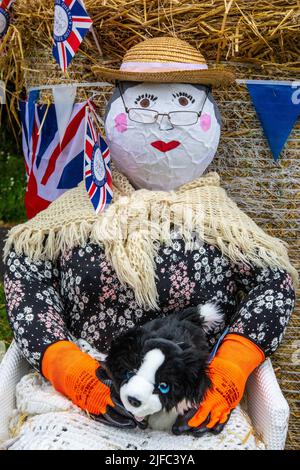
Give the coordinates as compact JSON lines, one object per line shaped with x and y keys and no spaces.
{"x":165,"y":60}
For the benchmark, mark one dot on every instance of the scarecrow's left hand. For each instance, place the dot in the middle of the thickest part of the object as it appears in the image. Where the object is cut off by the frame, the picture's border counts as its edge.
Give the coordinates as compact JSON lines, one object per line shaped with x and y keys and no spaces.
{"x":229,"y":370}
{"x":214,"y":411}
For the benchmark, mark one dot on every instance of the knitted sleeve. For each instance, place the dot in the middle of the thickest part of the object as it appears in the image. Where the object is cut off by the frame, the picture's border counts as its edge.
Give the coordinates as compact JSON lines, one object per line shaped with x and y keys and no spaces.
{"x":266,"y":307}
{"x":35,"y":309}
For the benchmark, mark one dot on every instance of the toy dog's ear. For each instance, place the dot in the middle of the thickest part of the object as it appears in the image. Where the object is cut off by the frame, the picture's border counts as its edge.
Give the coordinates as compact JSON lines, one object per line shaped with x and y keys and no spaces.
{"x":202,"y":384}
{"x":124,"y":351}
{"x":196,"y":379}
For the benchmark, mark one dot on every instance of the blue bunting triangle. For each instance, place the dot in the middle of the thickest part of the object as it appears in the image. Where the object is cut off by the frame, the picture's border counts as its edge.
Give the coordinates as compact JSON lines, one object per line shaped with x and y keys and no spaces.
{"x":276,"y":110}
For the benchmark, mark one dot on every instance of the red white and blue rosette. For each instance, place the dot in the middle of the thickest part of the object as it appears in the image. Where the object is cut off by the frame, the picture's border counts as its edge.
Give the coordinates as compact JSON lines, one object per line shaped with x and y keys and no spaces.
{"x":97,"y":171}
{"x":4,"y":22}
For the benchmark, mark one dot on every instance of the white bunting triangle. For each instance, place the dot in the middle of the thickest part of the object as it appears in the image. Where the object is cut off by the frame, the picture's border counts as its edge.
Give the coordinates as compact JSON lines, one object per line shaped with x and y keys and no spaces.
{"x":64,"y":97}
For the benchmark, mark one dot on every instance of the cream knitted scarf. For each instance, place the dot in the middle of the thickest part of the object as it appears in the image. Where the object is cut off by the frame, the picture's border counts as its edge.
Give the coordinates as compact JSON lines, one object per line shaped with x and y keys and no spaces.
{"x":132,"y":228}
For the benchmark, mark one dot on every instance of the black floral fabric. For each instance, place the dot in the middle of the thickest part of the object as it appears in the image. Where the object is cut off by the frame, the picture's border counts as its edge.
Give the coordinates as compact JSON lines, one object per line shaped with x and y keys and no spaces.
{"x":80,"y":296}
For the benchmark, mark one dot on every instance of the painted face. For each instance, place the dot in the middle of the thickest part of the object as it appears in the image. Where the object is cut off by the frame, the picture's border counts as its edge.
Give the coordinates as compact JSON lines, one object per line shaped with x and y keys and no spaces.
{"x":161,"y":152}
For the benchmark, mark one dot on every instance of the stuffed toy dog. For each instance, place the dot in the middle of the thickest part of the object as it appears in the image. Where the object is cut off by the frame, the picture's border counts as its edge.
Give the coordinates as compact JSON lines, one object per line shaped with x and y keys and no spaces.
{"x":159,"y":368}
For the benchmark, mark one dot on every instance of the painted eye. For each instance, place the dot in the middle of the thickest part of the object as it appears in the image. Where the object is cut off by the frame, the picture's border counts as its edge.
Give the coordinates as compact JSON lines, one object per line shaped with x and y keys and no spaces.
{"x":183,"y":101}
{"x":183,"y":98}
{"x":145,"y":100}
{"x":163,"y":387}
{"x":145,"y":103}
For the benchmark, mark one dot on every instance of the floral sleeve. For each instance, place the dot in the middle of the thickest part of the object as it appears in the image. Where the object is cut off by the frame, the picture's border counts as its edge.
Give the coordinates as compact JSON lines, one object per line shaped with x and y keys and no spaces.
{"x":267,"y":305}
{"x":35,"y":308}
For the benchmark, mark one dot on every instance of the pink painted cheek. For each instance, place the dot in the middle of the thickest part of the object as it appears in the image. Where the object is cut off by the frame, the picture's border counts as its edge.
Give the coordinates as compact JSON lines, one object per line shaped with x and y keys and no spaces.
{"x":121,"y":122}
{"x":205,"y":122}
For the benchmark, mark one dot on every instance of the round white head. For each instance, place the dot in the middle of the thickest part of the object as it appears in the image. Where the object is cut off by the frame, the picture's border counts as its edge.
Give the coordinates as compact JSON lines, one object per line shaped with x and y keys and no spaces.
{"x":162,"y":135}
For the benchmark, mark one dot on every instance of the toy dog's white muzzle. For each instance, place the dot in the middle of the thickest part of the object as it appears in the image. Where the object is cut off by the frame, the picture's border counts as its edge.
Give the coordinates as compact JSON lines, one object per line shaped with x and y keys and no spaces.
{"x":137,"y":394}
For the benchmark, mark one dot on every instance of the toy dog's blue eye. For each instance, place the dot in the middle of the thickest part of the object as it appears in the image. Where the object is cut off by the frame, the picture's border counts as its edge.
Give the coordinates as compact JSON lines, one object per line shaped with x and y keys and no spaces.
{"x":163,"y":387}
{"x":128,"y":375}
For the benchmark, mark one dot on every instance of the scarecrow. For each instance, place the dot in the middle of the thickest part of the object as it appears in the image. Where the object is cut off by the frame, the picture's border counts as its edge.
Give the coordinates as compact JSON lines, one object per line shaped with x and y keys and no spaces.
{"x":170,"y":238}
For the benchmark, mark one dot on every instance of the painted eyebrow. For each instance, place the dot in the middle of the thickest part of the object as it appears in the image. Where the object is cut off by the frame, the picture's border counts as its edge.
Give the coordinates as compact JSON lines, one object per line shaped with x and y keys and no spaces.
{"x":145,"y":95}
{"x":186,"y":95}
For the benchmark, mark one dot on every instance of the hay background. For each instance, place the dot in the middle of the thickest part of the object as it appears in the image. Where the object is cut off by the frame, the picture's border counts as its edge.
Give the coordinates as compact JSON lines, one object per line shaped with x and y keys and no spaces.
{"x":256,"y":40}
{"x":263,"y":32}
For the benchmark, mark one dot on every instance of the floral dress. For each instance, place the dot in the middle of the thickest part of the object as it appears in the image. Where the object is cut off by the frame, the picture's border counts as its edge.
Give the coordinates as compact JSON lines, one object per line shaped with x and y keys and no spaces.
{"x":79,"y":295}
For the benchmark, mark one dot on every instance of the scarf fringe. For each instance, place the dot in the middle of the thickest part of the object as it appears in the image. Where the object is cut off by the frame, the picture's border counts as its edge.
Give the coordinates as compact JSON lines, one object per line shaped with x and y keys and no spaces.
{"x":42,"y":245}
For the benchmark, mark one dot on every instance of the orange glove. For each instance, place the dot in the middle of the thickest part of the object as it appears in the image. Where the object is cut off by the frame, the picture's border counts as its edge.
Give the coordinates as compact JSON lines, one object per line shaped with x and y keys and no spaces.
{"x":73,"y":373}
{"x":235,"y":360}
{"x":81,"y":378}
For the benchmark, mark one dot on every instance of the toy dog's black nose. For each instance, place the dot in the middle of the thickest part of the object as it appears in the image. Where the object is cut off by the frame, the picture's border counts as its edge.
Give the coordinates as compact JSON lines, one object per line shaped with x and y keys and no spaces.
{"x":134,"y":401}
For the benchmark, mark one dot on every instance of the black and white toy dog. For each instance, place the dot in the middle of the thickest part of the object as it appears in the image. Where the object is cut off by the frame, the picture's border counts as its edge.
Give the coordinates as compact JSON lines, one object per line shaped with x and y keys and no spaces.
{"x":159,"y":369}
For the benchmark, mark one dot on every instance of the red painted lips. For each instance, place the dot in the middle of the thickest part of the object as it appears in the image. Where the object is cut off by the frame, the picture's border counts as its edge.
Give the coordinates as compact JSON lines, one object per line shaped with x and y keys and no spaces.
{"x":165,"y":146}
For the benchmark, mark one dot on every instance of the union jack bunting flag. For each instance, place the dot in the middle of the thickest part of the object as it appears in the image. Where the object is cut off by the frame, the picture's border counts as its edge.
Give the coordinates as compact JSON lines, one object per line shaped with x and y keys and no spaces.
{"x":71,"y":24}
{"x":98,"y":180}
{"x":52,"y":166}
{"x":6,"y":4}
{"x":4,"y":16}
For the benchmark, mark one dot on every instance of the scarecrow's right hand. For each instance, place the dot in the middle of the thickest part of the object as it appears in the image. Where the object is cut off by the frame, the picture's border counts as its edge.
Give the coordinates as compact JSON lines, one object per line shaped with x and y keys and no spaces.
{"x":81,"y":378}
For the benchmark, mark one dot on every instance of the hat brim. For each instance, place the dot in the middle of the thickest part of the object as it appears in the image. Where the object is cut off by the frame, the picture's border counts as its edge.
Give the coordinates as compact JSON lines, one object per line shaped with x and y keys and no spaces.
{"x":214,"y":77}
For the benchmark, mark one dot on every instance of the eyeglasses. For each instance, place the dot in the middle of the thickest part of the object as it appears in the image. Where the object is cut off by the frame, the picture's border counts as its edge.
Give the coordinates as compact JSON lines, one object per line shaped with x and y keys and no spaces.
{"x":150,"y":116}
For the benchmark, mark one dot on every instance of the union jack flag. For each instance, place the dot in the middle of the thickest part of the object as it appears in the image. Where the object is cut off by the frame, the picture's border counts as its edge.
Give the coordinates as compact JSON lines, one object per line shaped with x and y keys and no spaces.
{"x":71,"y":24}
{"x":4,"y":16}
{"x":6,"y":4}
{"x":98,"y":180}
{"x":52,"y":167}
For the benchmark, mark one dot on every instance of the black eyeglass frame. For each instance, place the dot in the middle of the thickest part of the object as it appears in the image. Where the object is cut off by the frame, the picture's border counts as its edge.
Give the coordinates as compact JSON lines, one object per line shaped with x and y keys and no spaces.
{"x":208,"y":90}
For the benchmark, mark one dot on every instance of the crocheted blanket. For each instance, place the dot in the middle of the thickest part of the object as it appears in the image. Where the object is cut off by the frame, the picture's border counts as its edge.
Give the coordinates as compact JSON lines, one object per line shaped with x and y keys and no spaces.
{"x":45,"y":419}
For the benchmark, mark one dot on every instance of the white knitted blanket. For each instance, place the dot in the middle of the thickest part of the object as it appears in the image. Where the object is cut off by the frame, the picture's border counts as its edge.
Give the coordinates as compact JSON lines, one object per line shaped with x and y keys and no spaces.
{"x":45,"y":419}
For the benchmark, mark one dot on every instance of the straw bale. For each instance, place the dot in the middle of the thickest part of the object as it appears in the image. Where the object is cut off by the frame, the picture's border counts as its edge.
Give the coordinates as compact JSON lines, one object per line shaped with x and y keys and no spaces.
{"x":263,"y":33}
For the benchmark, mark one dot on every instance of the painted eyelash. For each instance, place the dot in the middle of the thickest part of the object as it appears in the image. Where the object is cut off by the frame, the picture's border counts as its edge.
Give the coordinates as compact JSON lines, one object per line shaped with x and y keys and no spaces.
{"x":186,"y":95}
{"x":146,"y":95}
